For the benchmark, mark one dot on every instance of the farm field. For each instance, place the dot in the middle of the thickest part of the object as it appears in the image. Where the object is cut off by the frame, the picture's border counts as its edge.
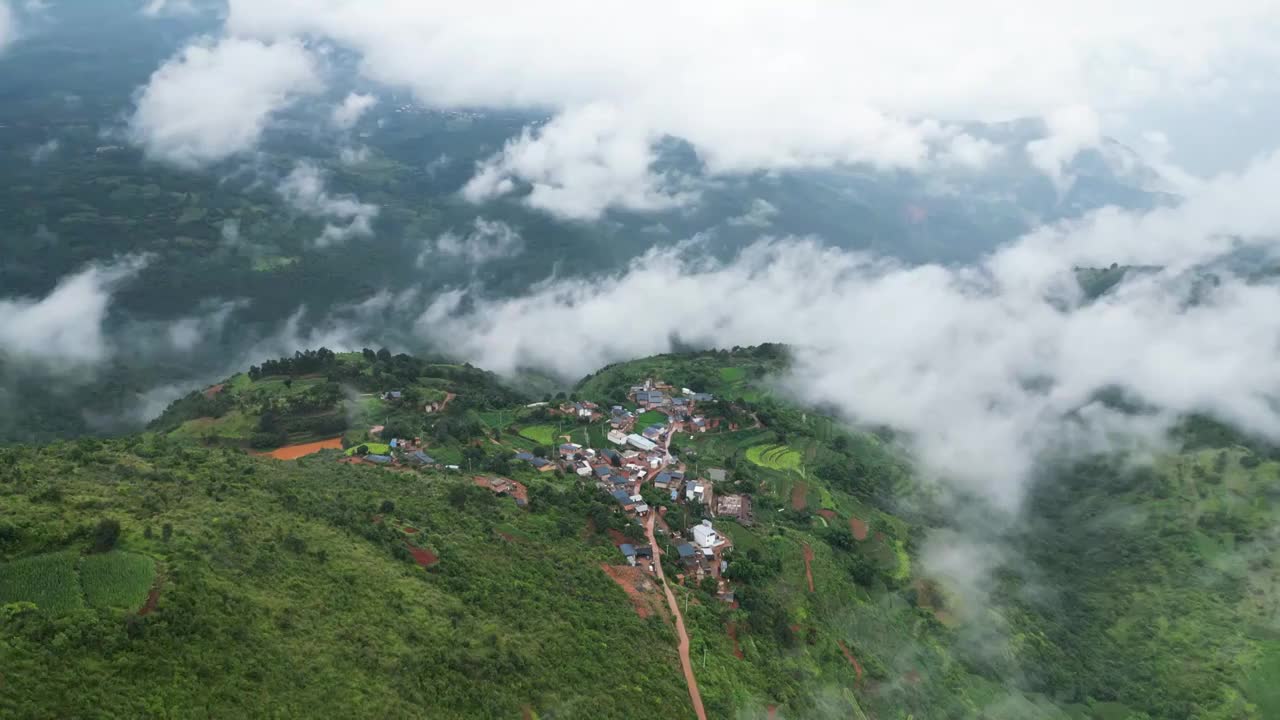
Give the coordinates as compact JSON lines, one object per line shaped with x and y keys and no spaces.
{"x":117,"y":579}
{"x":47,"y":580}
{"x":776,"y":457}
{"x":373,"y":447}
{"x":541,"y":434}
{"x":651,"y":417}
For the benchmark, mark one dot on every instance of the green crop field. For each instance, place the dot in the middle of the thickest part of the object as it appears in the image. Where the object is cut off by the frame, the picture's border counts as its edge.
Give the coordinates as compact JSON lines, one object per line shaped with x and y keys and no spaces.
{"x":541,"y":434}
{"x":732,"y":374}
{"x":374,"y":448}
{"x":652,"y":417}
{"x":117,"y":579}
{"x":775,"y":457}
{"x":47,"y":580}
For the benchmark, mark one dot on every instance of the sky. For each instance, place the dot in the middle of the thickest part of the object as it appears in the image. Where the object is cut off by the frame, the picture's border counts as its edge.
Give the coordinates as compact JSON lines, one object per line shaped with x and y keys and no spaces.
{"x":984,"y":366}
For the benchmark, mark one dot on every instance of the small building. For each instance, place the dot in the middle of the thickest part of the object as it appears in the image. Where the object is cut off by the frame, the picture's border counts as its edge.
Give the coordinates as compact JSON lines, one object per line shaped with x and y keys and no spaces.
{"x":623,"y":499}
{"x":641,"y":443}
{"x":662,"y":481}
{"x":717,"y":475}
{"x":628,"y":552}
{"x":569,"y":449}
{"x":420,"y":458}
{"x":584,"y":469}
{"x":603,"y":472}
{"x":617,"y":437}
{"x":392,"y":395}
{"x":706,"y":537}
{"x":525,"y":456}
{"x":694,"y":492}
{"x":686,"y":553}
{"x":378,"y":459}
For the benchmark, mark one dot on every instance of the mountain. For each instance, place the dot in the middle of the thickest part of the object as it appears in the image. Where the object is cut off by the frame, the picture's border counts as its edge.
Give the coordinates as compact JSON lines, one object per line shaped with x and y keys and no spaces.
{"x":182,"y":572}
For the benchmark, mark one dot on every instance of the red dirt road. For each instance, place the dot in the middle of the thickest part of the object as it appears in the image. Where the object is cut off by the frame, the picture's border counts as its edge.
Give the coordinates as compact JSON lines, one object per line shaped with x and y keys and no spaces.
{"x":153,"y":598}
{"x":828,"y":514}
{"x":808,"y":567}
{"x":858,"y":528}
{"x":732,"y":629}
{"x":857,"y":666}
{"x":293,"y":452}
{"x":685,"y":663}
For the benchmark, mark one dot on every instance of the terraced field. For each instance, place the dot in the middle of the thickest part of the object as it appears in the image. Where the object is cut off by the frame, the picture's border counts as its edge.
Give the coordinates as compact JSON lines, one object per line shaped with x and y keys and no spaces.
{"x":541,"y":434}
{"x":775,"y":457}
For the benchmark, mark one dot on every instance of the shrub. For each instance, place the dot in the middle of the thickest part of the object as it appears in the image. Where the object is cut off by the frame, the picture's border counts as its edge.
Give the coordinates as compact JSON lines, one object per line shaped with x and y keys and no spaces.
{"x":106,"y":535}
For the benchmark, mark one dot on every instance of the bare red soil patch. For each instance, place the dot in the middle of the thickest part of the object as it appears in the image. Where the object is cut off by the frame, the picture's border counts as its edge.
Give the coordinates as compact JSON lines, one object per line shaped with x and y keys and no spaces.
{"x":808,"y":565}
{"x":509,"y":538}
{"x":857,"y":666}
{"x":828,"y":514}
{"x":498,"y":485}
{"x":212,"y":392}
{"x":410,"y":530}
{"x":617,"y":537}
{"x":773,"y":712}
{"x":911,"y":678}
{"x":640,"y":589}
{"x":377,"y":519}
{"x":153,"y":598}
{"x":799,"y":491}
{"x":858,"y":528}
{"x":732,"y":629}
{"x":526,"y":713}
{"x":424,"y":558}
{"x":293,"y":452}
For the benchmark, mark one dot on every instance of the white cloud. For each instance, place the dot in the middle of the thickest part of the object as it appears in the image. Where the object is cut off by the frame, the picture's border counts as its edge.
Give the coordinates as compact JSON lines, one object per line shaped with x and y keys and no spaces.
{"x":44,"y":151}
{"x":8,"y":25}
{"x":158,"y":8}
{"x":187,"y":333}
{"x":348,"y":113}
{"x":760,"y":214}
{"x":231,"y":232}
{"x":216,"y":98}
{"x":65,"y":328}
{"x":967,"y":152}
{"x":578,"y":165}
{"x":354,"y":155}
{"x":305,"y":190}
{"x":983,"y":367}
{"x":488,"y":240}
{"x":1071,"y":130}
{"x":755,"y":84}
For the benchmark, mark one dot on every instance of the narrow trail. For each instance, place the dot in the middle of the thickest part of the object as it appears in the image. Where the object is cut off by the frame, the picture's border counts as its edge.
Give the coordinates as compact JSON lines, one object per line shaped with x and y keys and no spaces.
{"x":808,"y":565}
{"x":685,"y":663}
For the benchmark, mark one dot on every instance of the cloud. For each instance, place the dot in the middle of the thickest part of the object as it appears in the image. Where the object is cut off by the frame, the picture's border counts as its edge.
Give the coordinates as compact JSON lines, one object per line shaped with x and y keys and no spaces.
{"x":488,"y":240}
{"x":64,"y":329}
{"x":8,"y":25}
{"x":760,"y":215}
{"x":44,"y":151}
{"x":158,"y":8}
{"x":757,"y":85}
{"x":348,"y":113}
{"x":1071,"y":130}
{"x":216,"y":98}
{"x":304,"y":189}
{"x":983,"y":367}
{"x":190,"y":332}
{"x":578,"y":165}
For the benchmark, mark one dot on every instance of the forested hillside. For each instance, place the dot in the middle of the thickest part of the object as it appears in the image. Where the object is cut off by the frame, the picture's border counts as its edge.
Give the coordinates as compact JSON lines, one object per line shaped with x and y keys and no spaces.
{"x":175,"y":574}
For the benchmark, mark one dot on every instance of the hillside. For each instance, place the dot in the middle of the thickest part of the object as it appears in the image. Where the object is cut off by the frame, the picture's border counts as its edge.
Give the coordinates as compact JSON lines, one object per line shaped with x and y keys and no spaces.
{"x":327,"y":585}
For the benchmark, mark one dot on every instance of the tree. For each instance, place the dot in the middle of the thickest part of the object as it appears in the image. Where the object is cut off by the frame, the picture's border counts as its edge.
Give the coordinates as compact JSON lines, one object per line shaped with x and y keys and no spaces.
{"x":387,"y":507}
{"x":106,"y":535}
{"x":166,"y":532}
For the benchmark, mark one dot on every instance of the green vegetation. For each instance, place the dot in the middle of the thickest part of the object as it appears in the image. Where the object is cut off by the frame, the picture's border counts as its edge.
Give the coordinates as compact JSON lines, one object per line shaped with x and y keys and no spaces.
{"x":117,"y":579}
{"x":778,"y":457}
{"x":369,"y":448}
{"x":651,"y":417}
{"x":47,"y":580}
{"x":1137,"y":590}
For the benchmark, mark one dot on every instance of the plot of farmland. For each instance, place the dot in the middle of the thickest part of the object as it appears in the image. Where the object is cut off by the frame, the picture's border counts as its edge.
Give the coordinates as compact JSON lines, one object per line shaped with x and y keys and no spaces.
{"x":117,"y":579}
{"x":47,"y":580}
{"x":776,"y":457}
{"x":541,"y":434}
{"x":374,"y":448}
{"x":651,"y":417}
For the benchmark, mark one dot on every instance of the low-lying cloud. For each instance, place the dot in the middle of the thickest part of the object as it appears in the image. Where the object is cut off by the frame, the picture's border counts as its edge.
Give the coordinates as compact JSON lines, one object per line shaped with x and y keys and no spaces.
{"x":305,"y":190}
{"x":984,"y":367}
{"x":353,"y":107}
{"x":215,"y":98}
{"x":487,"y":240}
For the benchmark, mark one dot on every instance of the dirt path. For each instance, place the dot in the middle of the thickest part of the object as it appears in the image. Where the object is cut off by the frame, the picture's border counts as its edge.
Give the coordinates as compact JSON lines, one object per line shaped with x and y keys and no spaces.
{"x":685,"y":663}
{"x":808,"y":566}
{"x":857,"y":666}
{"x":293,"y":452}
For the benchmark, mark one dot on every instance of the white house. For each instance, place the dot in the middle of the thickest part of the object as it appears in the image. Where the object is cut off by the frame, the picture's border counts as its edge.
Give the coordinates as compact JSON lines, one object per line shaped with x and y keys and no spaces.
{"x":641,"y":443}
{"x":617,"y":437}
{"x":694,"y":492}
{"x":706,"y":537}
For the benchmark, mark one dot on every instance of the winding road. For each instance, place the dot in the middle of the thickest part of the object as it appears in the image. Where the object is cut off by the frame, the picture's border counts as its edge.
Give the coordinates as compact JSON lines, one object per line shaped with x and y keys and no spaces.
{"x":685,"y":663}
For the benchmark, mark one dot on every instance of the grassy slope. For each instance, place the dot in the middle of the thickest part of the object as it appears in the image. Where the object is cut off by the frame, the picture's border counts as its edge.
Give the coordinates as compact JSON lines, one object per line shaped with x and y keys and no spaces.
{"x":279,"y":586}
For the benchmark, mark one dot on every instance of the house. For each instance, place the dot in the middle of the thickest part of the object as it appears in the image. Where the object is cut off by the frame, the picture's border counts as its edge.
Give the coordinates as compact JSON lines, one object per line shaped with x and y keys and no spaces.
{"x":392,"y":395}
{"x":421,"y":458}
{"x":662,"y":480}
{"x":623,"y":499}
{"x":542,"y":464}
{"x":585,"y":410}
{"x":378,"y":459}
{"x":717,"y":475}
{"x":603,"y":472}
{"x":525,"y":456}
{"x":584,"y":469}
{"x":686,"y":553}
{"x":568,"y":450}
{"x":706,"y":537}
{"x":642,"y":509}
{"x":644,"y":552}
{"x":703,"y":397}
{"x":629,"y":552}
{"x":641,"y":443}
{"x":653,"y":432}
{"x":700,"y":424}
{"x":694,"y":492}
{"x":617,"y":437}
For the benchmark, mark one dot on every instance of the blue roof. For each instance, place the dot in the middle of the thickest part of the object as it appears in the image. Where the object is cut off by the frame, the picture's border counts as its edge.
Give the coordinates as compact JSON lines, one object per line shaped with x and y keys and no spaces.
{"x":675,"y":494}
{"x":424,"y":458}
{"x":627,"y":549}
{"x":663,"y":477}
{"x":677,"y":474}
{"x":621,"y":496}
{"x":524,"y":456}
{"x":602,"y":471}
{"x":380,"y":459}
{"x":685,"y":550}
{"x":539,"y":462}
